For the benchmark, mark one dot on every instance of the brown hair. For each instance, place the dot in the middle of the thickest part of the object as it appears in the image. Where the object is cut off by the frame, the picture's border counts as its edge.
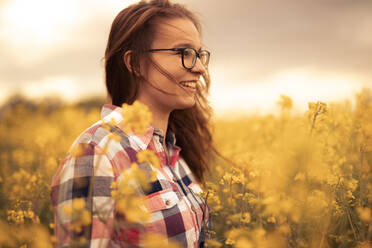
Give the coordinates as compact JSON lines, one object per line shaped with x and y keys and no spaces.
{"x":133,"y":29}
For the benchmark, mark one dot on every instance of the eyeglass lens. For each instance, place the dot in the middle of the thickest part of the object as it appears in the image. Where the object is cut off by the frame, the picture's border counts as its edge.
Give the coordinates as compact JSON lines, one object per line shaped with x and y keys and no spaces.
{"x":189,"y":57}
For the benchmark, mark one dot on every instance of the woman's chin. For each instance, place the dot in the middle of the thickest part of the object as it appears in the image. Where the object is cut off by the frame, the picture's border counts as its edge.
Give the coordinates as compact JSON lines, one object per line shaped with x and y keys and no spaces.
{"x":189,"y":103}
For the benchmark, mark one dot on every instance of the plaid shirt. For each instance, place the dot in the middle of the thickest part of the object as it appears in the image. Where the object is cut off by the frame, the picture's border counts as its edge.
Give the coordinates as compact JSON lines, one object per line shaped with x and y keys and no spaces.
{"x":177,"y":212}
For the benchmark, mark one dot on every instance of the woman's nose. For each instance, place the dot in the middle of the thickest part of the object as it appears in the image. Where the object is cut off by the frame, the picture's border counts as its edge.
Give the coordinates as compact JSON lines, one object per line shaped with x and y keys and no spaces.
{"x":199,"y":67}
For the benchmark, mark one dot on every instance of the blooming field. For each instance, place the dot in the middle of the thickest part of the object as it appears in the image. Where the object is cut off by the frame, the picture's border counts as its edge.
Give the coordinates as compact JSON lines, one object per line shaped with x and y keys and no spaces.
{"x":295,"y":181}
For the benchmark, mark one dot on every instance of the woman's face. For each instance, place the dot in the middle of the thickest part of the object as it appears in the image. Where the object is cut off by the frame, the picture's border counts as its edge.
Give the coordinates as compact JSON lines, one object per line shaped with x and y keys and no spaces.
{"x":171,"y":33}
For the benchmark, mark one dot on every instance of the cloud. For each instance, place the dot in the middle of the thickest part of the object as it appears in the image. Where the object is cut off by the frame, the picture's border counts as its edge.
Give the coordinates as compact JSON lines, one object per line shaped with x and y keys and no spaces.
{"x":74,"y":44}
{"x":266,"y":37}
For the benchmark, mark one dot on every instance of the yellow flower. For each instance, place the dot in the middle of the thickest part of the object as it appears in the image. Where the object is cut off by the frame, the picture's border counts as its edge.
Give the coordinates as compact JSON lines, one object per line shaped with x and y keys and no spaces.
{"x":243,"y":243}
{"x":212,"y":243}
{"x":115,"y":137}
{"x":364,"y":245}
{"x":67,"y":209}
{"x":121,"y":205}
{"x":78,"y":204}
{"x":246,"y":218}
{"x":114,"y":185}
{"x":133,"y":207}
{"x":105,"y":149}
{"x":365,"y":214}
{"x":271,"y":219}
{"x":285,"y":229}
{"x":137,"y":117}
{"x":300,"y":176}
{"x":238,"y":196}
{"x":156,"y":240}
{"x":105,"y":126}
{"x":85,"y":218}
{"x":30,"y":214}
{"x":285,"y":102}
{"x":154,"y":175}
{"x":234,"y":234}
{"x":113,"y":122}
{"x":140,"y":176}
{"x":148,"y":156}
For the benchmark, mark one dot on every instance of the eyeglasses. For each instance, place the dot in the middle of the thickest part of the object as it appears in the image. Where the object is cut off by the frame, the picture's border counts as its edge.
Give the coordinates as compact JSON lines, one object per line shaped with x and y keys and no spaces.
{"x":189,"y":56}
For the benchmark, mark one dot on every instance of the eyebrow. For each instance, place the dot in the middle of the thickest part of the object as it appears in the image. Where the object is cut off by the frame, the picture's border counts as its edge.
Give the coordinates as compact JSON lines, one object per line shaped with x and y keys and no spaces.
{"x":186,"y":45}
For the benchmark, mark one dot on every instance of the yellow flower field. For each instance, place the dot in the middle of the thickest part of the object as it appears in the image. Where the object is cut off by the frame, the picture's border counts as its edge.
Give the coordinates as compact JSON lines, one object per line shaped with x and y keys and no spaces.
{"x":296,"y":181}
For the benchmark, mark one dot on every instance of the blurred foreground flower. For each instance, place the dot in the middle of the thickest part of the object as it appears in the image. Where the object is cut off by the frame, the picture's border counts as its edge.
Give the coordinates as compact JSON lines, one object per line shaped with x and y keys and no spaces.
{"x":126,"y":193}
{"x":80,"y":217}
{"x":21,"y":236}
{"x":137,"y":117}
{"x":148,"y":156}
{"x":155,"y":240}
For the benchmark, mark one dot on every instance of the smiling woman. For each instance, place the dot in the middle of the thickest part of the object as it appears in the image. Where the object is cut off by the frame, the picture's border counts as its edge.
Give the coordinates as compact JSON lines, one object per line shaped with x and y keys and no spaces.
{"x":154,"y":56}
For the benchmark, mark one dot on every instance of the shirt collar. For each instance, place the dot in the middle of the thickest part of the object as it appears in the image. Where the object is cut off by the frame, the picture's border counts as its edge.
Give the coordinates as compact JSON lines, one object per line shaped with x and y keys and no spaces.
{"x":111,"y":112}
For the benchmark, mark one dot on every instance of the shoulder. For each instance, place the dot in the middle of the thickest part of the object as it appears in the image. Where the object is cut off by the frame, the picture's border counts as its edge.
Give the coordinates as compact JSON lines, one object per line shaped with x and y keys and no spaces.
{"x":84,"y":154}
{"x":102,"y":138}
{"x":94,"y":134}
{"x":101,"y":135}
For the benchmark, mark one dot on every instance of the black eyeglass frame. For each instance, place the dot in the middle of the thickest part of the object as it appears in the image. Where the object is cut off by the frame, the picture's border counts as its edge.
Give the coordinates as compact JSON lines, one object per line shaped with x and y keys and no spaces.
{"x":182,"y":51}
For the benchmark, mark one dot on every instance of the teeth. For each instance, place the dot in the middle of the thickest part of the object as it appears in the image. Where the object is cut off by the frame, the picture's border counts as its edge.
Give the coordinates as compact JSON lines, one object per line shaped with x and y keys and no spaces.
{"x":189,"y":84}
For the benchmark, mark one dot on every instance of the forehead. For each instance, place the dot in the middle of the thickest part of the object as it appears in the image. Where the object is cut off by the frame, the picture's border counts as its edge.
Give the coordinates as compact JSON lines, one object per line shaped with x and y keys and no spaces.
{"x":175,"y":32}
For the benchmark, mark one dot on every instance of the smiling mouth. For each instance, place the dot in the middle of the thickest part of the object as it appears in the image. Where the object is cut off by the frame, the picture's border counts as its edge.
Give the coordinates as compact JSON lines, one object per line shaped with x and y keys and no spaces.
{"x":189,"y":84}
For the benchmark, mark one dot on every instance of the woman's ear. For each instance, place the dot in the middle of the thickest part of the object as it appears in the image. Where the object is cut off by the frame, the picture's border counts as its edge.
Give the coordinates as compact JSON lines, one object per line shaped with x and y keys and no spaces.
{"x":127,"y":61}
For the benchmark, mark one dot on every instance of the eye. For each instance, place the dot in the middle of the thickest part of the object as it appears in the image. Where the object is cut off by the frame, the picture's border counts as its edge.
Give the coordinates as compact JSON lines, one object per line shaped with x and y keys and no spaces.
{"x":188,"y":52}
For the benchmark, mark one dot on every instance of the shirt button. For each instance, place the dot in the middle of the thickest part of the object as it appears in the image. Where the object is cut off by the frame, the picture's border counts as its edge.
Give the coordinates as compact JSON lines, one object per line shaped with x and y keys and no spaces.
{"x":167,"y":202}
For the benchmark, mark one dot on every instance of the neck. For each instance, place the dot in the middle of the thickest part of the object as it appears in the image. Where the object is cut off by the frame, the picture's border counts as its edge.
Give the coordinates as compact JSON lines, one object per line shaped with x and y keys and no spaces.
{"x":160,"y":120}
{"x":160,"y":116}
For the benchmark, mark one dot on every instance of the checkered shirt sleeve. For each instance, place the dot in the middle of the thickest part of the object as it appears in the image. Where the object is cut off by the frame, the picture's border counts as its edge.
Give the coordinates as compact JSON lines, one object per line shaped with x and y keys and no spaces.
{"x":86,"y":173}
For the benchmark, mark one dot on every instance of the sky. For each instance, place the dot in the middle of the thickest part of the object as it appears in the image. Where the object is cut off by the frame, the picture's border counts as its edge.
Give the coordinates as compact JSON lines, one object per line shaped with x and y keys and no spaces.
{"x":309,"y":50}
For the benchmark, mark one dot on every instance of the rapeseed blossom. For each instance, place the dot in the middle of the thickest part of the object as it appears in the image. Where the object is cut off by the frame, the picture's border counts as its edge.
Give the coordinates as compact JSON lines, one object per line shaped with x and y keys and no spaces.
{"x":148,"y":156}
{"x":285,"y":102}
{"x":126,"y":192}
{"x":137,"y":117}
{"x":155,"y":240}
{"x":80,"y":216}
{"x":298,"y":180}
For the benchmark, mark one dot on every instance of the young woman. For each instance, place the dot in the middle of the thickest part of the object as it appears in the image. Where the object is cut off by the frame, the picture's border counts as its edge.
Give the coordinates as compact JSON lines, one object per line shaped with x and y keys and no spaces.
{"x":154,"y":55}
